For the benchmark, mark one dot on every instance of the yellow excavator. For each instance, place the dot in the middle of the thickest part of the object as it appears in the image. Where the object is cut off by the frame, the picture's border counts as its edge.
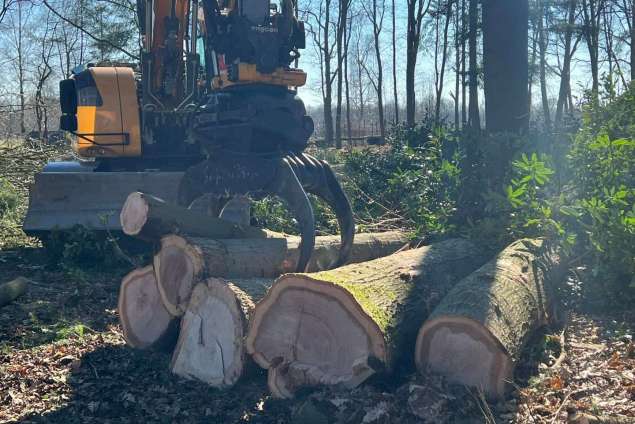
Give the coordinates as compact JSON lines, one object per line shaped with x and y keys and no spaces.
{"x":210,"y":112}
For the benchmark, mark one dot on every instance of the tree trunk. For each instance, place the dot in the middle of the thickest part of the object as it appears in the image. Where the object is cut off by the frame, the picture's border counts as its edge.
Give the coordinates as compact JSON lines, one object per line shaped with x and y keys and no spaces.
{"x":565,"y":78}
{"x":145,"y":322}
{"x":474,"y":118}
{"x":632,"y":41}
{"x":505,"y":55}
{"x":12,"y":290}
{"x":210,"y":346}
{"x":463,"y":67}
{"x":394,"y":62}
{"x":476,"y":335}
{"x":344,"y":325}
{"x":150,"y":218}
{"x":180,"y":262}
{"x":441,"y":73}
{"x":542,"y":45}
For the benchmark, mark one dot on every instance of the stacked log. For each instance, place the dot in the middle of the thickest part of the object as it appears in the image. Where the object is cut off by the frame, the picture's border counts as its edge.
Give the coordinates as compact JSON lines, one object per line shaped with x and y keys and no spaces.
{"x":177,"y":296}
{"x":145,"y":322}
{"x":477,"y":333}
{"x":344,"y":325}
{"x":210,"y":346}
{"x":150,"y":218}
{"x":181,"y":262}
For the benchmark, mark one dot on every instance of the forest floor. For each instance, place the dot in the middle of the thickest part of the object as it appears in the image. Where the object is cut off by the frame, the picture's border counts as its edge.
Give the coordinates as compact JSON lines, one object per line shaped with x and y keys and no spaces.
{"x":63,"y":359}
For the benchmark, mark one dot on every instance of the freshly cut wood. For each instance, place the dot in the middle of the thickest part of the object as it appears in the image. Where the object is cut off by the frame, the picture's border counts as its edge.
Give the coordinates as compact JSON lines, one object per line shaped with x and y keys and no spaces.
{"x":150,"y":218}
{"x":145,"y":322}
{"x":344,"y":325}
{"x":181,"y":261}
{"x":210,"y":346}
{"x":12,"y":290}
{"x":476,"y":335}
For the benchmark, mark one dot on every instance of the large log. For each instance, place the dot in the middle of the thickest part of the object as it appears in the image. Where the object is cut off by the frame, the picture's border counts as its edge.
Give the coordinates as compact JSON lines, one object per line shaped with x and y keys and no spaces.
{"x":150,"y":218}
{"x":344,"y":325}
{"x":12,"y":290}
{"x":145,"y":322}
{"x":180,"y":262}
{"x":210,"y":346}
{"x":476,"y":335}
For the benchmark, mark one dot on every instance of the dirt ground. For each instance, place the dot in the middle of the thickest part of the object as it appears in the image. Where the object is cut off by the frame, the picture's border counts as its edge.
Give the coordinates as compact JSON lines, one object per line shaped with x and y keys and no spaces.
{"x":63,"y":360}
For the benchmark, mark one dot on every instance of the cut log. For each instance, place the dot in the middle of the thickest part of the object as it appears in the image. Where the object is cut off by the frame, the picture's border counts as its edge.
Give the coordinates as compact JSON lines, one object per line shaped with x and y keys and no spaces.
{"x":149,"y":218}
{"x":210,"y":346}
{"x":180,"y":261}
{"x":476,"y":335}
{"x":145,"y":322}
{"x":12,"y":290}
{"x":344,"y":325}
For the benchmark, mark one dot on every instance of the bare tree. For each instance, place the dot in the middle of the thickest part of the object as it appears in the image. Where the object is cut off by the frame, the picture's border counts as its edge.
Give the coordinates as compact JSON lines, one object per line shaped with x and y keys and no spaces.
{"x":342,"y":22}
{"x":592,"y":16}
{"x":542,"y":44}
{"x":444,"y":11}
{"x":394,"y":62}
{"x":417,"y":9}
{"x":376,"y":16}
{"x":569,"y":50}
{"x":474,"y":120}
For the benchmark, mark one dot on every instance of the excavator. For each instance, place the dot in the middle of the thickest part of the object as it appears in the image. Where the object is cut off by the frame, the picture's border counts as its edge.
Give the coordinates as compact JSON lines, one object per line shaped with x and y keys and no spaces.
{"x":211,"y":112}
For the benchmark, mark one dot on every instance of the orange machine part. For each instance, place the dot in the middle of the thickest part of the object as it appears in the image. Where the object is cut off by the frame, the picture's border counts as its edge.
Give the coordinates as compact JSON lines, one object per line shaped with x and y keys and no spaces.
{"x":163,"y":10}
{"x":111,"y":126}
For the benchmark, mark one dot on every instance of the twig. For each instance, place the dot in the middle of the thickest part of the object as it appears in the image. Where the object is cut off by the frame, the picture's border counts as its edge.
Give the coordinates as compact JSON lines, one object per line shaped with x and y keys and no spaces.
{"x":562,"y":404}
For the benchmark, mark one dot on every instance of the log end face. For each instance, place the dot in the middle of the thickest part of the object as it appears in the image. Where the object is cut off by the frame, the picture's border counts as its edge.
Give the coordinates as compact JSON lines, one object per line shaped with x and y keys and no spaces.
{"x":134,"y":214}
{"x":144,"y":320}
{"x":309,"y":333}
{"x":210,"y":347}
{"x":177,"y":264}
{"x":464,"y":352}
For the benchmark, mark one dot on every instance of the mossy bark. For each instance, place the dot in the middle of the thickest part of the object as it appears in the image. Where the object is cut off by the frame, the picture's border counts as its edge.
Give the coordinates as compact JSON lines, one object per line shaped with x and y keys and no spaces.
{"x":369,"y":314}
{"x":495,"y":311}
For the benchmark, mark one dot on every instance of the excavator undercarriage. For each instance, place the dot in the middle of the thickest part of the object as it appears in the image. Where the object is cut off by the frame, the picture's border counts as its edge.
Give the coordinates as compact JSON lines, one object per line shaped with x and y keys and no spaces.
{"x":213,"y":113}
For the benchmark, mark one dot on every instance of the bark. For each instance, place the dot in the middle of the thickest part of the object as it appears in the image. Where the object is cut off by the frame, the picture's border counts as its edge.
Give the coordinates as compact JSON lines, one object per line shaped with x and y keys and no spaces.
{"x":476,"y":335}
{"x":12,"y":290}
{"x":180,"y":263}
{"x":150,"y":218}
{"x":145,"y":322}
{"x":474,"y":118}
{"x":343,"y":326}
{"x":505,"y":55}
{"x":210,"y":346}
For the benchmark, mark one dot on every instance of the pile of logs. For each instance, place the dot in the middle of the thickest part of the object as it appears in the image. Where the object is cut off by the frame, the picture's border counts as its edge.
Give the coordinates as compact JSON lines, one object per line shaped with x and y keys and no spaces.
{"x":221,"y":305}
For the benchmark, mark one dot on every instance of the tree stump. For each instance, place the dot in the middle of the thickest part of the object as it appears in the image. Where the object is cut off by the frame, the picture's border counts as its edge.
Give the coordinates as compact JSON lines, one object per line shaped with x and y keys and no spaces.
{"x":342,"y":326}
{"x":477,"y":333}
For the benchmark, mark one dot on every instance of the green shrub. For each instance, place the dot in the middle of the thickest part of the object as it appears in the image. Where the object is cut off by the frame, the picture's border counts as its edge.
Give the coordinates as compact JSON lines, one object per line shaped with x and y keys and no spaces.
{"x":9,"y":199}
{"x":602,"y":162}
{"x":411,"y":184}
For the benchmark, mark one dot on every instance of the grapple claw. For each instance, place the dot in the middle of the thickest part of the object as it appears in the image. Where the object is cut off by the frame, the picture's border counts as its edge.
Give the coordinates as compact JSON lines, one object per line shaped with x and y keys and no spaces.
{"x":317,"y":177}
{"x":287,"y":187}
{"x":239,"y":175}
